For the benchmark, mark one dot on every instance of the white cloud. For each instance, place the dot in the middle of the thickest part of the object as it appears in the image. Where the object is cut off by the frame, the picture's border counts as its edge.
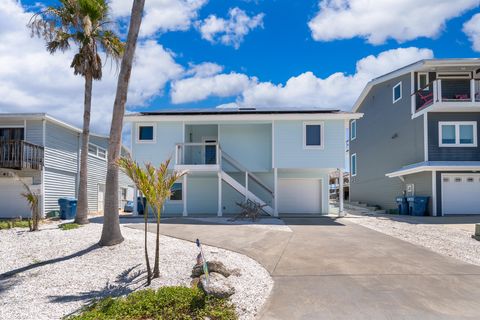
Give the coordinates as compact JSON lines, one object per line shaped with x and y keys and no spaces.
{"x":161,"y":15}
{"x":32,"y":80}
{"x":229,"y":31}
{"x":377,"y":21}
{"x":204,"y":69}
{"x":338,"y":90}
{"x":219,"y":85}
{"x":472,"y":29}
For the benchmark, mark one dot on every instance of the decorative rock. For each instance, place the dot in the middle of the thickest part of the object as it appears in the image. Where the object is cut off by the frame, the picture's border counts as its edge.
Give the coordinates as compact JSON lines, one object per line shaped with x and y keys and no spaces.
{"x":214,"y":266}
{"x":218,"y":285}
{"x":195,"y":282}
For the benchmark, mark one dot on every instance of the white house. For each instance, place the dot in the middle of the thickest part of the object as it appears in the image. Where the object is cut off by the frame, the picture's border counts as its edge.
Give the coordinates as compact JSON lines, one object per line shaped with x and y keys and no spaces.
{"x":278,"y":157}
{"x":45,"y":153}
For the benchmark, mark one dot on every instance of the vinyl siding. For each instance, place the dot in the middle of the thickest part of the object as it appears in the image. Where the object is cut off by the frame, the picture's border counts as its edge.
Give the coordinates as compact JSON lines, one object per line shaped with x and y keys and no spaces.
{"x":422,"y":182}
{"x":168,"y":134}
{"x":34,"y":132}
{"x":249,"y":144}
{"x":58,"y":184}
{"x":437,"y":153}
{"x":61,"y":148}
{"x":387,"y":139}
{"x":289,"y":146}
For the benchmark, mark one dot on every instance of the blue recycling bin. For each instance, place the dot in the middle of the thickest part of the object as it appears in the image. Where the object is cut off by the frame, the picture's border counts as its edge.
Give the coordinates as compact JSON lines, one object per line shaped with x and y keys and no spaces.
{"x":417,"y":205}
{"x":402,"y":205}
{"x":68,"y":208}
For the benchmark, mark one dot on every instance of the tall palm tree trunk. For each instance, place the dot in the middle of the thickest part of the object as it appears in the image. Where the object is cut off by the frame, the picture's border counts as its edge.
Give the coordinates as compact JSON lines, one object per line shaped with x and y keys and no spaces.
{"x":111,"y":233}
{"x":82,"y":207}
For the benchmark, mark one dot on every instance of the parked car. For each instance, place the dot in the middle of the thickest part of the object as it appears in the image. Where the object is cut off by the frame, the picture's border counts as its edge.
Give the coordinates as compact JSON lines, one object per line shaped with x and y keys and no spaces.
{"x":128,"y":206}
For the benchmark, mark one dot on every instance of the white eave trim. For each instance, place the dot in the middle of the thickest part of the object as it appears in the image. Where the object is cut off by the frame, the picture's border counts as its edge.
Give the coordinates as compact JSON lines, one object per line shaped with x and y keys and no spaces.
{"x":243,"y":117}
{"x":405,"y":172}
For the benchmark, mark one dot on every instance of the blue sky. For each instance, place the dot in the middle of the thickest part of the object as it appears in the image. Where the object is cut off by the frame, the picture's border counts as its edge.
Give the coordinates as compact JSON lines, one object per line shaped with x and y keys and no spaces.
{"x":325,"y":50}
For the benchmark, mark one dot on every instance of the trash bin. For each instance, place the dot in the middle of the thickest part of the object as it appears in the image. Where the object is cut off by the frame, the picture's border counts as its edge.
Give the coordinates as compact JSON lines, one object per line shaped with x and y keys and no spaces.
{"x":141,"y":205}
{"x":68,"y":208}
{"x":402,"y":205}
{"x":417,"y":206}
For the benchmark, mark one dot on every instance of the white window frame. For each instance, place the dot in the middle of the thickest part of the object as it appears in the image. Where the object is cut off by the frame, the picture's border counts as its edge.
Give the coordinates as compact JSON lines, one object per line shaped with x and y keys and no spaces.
{"x":353,"y":156}
{"x":457,"y":125}
{"x":177,"y":201}
{"x":145,"y":124}
{"x":96,"y":151}
{"x":353,"y":133}
{"x":322,"y":135}
{"x":393,"y":92}
{"x":427,"y":80}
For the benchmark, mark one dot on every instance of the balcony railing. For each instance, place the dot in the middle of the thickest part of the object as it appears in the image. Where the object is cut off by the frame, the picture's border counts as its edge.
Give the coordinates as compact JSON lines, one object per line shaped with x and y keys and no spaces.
{"x":16,"y":154}
{"x":448,"y":91}
{"x":191,"y":154}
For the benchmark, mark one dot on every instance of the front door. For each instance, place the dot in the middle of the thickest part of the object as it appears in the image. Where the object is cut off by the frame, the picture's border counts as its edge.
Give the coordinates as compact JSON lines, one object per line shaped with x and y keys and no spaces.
{"x":210,"y":152}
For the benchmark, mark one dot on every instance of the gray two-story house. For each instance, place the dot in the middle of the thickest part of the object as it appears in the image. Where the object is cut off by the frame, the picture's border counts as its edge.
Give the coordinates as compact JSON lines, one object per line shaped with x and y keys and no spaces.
{"x":44,"y":152}
{"x":419,"y":136}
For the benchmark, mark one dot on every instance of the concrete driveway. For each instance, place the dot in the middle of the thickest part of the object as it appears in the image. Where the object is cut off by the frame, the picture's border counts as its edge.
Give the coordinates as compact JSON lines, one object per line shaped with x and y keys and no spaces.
{"x":334,"y":269}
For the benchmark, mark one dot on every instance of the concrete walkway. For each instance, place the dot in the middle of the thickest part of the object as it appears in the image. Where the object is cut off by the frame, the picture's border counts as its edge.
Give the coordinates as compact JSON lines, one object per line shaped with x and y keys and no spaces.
{"x":334,"y":269}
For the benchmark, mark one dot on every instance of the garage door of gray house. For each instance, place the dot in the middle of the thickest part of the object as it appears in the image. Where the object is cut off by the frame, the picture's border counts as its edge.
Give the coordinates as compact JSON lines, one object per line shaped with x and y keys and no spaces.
{"x":461,"y":193}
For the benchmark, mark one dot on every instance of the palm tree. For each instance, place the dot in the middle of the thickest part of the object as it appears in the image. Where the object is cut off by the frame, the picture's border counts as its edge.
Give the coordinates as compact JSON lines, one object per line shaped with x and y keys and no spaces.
{"x":81,"y":22}
{"x":111,"y":233}
{"x":156,"y":185}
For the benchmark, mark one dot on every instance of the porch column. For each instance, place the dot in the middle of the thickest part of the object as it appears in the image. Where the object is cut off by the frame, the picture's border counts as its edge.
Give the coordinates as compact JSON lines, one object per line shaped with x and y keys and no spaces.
{"x":472,"y":90}
{"x":340,"y":192}
{"x":184,"y":195}
{"x":219,"y":213}
{"x":275,"y":192}
{"x":135,"y":201}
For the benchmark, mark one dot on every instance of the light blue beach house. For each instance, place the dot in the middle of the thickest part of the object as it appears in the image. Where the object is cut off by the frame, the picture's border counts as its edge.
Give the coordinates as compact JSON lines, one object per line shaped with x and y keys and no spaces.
{"x":278,"y":157}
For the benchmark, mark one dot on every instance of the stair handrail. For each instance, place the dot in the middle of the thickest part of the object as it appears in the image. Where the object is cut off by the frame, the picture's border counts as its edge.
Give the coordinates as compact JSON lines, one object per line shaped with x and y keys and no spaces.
{"x":240,"y":167}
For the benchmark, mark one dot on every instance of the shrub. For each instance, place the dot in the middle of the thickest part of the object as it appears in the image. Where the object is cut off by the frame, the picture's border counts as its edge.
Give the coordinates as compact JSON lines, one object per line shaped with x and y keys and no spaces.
{"x":68,"y":226}
{"x":8,"y":224}
{"x":169,"y":303}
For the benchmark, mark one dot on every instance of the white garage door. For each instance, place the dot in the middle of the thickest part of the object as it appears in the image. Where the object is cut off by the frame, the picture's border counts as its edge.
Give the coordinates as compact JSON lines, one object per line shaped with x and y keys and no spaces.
{"x":300,"y":196}
{"x":460,"y":193}
{"x":12,"y":204}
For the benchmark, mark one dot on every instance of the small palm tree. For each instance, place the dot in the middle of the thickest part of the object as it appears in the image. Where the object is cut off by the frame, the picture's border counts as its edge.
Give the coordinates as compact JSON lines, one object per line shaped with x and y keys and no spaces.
{"x":80,"y":22}
{"x":33,"y":200}
{"x":155,"y":184}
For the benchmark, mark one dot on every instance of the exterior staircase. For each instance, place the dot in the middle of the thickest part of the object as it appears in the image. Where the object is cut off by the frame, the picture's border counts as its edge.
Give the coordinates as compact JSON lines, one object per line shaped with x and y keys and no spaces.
{"x":249,"y":176}
{"x":247,"y":193}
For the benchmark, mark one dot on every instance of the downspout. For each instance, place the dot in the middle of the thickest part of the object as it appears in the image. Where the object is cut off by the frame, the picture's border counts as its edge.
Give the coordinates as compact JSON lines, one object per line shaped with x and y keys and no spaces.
{"x":43,"y":167}
{"x":77,"y":175}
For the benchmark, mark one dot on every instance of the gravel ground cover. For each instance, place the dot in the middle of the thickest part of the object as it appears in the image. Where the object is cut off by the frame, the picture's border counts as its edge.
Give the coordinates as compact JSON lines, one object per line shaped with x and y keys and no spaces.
{"x":53,"y":273}
{"x":452,"y":242}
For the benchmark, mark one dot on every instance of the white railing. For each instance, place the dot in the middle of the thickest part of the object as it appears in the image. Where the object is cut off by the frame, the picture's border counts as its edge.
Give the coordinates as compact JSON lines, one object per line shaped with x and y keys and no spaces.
{"x":201,"y":153}
{"x":457,"y":91}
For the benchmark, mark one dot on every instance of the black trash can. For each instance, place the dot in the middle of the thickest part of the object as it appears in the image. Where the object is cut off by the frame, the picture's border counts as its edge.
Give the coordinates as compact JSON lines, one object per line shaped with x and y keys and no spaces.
{"x":68,"y":208}
{"x":402,"y":205}
{"x":141,"y":205}
{"x":417,"y":205}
